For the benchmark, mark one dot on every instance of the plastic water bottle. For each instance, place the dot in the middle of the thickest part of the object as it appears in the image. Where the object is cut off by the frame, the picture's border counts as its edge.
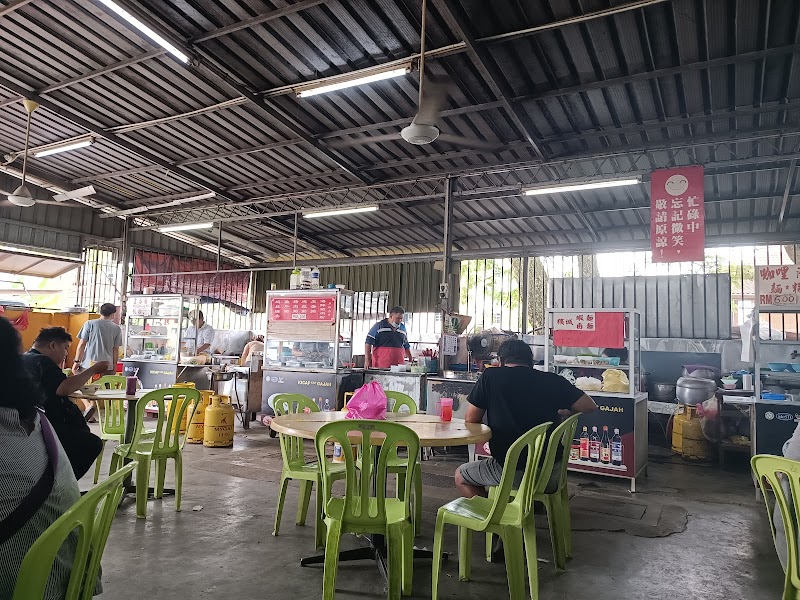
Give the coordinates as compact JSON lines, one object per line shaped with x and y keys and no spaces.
{"x":326,"y":405}
{"x":294,"y":279}
{"x":315,"y":278}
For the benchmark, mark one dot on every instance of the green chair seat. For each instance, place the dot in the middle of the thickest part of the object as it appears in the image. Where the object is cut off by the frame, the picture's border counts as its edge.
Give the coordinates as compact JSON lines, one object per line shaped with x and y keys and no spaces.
{"x":163,"y":445}
{"x":295,"y":467}
{"x":506,"y":514}
{"x":90,"y":520}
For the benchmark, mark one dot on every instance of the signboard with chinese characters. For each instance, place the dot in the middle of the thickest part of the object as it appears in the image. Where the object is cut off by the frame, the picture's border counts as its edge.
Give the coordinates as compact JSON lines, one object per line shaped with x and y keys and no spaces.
{"x":677,"y":214}
{"x":589,"y":329}
{"x":307,"y":309}
{"x":140,"y":305}
{"x":778,"y":285}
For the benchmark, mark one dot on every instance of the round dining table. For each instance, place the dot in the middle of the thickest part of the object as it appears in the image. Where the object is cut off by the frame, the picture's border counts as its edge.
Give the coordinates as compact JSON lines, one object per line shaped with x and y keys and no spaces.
{"x":432,"y":433}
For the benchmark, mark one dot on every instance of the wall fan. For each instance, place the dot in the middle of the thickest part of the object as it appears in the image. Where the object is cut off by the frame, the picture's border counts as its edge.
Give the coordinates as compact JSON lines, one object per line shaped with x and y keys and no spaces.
{"x":22,"y":195}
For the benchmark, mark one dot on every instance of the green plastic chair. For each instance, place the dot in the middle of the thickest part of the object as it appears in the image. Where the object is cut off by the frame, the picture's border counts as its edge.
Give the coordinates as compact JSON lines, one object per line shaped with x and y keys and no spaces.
{"x":295,"y":467}
{"x":112,"y":382}
{"x":556,"y":501}
{"x":397,"y":402}
{"x":772,"y":472}
{"x":91,"y":518}
{"x":164,"y":444}
{"x":359,"y":510}
{"x":508,"y":515}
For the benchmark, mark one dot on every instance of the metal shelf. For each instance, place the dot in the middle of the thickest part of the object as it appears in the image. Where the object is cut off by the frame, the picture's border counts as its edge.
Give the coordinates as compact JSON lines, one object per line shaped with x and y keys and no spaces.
{"x":583,"y":366}
{"x":149,"y":337}
{"x":169,"y":318}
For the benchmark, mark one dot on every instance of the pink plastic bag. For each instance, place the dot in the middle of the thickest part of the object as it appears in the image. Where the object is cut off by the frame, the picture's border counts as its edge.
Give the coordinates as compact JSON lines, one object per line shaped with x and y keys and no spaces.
{"x":369,"y":402}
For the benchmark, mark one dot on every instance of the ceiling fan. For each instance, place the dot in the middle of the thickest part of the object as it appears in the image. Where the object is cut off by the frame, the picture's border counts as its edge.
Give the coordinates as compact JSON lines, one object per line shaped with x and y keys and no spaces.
{"x":423,"y":128}
{"x":22,"y":195}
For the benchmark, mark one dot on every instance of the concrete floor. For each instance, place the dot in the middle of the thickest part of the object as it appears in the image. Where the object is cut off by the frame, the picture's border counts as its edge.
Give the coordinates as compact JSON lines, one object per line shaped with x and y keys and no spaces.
{"x":226,"y":550}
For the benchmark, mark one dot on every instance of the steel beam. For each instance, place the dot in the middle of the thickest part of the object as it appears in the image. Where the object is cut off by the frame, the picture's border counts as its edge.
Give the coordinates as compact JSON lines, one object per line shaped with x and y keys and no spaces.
{"x":258,"y":20}
{"x":787,"y":196}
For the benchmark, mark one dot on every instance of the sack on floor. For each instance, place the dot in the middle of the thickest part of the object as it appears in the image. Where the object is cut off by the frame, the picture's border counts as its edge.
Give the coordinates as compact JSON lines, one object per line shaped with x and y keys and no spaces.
{"x":369,"y":402}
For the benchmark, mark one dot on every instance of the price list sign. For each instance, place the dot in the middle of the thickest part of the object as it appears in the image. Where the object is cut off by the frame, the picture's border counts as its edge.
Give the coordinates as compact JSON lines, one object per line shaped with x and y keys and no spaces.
{"x":778,"y":286}
{"x":677,"y":214}
{"x":589,"y":329}
{"x":303,"y":308}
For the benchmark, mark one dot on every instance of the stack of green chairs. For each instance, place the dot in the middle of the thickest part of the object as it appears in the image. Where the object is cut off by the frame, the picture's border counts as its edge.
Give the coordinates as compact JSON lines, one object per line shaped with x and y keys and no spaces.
{"x":111,"y":415}
{"x":91,"y":518}
{"x":295,"y":467}
{"x":364,"y":508}
{"x":164,"y":444}
{"x":508,"y":515}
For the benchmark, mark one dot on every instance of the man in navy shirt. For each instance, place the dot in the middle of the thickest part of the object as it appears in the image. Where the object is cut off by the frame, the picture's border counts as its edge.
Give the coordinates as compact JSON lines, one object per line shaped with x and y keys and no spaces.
{"x":387,"y":342}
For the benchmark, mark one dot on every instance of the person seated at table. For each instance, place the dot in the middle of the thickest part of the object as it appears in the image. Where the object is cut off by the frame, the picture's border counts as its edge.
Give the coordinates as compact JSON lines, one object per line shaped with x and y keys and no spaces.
{"x":38,"y":484}
{"x":515,"y":398}
{"x":49,"y":350}
{"x":255,"y":345}
{"x":621,"y":353}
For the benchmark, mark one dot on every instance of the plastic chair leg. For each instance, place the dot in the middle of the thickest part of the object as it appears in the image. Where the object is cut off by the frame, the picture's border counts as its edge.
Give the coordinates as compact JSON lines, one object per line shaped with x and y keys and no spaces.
{"x":552,"y":524}
{"x":489,"y":535}
{"x":161,"y":476}
{"x":400,"y":484}
{"x":436,"y":567}
{"x":178,"y":479}
{"x":408,"y":560}
{"x":417,"y":499}
{"x":99,"y":460}
{"x":115,"y":464}
{"x":531,"y":556}
{"x":394,"y":543}
{"x":515,"y":566}
{"x":319,"y":523}
{"x":281,"y":497}
{"x":331,"y":558}
{"x":302,"y":504}
{"x":464,"y":553}
{"x":142,"y":486}
{"x":566,"y":520}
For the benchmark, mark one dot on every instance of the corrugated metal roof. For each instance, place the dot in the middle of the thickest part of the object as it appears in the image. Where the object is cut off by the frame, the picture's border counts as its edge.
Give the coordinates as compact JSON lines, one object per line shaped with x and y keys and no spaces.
{"x":665,"y":83}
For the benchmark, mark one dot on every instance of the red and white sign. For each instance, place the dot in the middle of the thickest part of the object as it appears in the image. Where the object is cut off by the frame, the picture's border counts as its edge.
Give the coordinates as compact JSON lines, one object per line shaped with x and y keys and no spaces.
{"x":677,"y":214}
{"x":778,"y":285}
{"x":589,"y":329}
{"x":303,"y":308}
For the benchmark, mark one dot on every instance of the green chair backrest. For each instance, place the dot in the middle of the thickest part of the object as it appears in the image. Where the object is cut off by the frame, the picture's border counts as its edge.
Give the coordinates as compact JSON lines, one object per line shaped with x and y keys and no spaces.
{"x":774,"y":470}
{"x":112,"y":382}
{"x":398,"y":400}
{"x":532,"y":442}
{"x":292,"y":447}
{"x":172,"y":403}
{"x":90,"y":517}
{"x":373,"y":437}
{"x":112,"y":416}
{"x":561,"y":436}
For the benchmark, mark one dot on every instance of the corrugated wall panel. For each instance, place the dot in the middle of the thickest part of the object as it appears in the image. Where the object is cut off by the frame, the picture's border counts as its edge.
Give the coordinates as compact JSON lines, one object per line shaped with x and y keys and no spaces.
{"x":674,"y":306}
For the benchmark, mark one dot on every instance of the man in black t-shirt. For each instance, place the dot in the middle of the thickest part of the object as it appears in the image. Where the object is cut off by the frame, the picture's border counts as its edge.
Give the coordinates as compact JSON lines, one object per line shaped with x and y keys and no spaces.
{"x":50,"y":348}
{"x":515,"y":398}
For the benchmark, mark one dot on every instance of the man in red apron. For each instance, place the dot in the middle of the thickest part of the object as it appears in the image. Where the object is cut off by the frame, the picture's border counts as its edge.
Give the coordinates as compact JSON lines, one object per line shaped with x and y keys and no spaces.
{"x":387,"y":343}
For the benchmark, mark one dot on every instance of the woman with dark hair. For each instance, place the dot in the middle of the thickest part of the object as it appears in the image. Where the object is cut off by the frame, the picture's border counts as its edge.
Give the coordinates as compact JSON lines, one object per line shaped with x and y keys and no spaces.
{"x":37,"y":484}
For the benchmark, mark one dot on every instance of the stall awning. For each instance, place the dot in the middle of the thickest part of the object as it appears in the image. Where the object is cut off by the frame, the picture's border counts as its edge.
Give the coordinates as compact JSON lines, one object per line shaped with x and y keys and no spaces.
{"x":36,"y":263}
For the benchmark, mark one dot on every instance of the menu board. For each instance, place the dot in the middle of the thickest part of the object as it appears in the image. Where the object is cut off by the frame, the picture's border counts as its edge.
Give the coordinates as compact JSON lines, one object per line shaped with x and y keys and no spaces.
{"x":308,"y":309}
{"x":140,"y":306}
{"x":589,"y":329}
{"x":778,"y":285}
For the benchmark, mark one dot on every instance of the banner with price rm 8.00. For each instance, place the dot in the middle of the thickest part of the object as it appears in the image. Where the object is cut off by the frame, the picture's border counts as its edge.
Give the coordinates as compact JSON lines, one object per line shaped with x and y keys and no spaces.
{"x":589,"y":329}
{"x":778,"y":285}
{"x":677,"y":214}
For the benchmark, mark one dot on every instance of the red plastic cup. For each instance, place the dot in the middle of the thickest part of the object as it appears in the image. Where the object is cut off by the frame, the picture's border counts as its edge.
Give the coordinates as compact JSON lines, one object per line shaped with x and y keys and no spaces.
{"x":446,"y":409}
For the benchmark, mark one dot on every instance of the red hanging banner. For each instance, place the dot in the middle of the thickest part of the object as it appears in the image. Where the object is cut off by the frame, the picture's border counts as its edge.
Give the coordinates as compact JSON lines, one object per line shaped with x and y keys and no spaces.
{"x":589,"y":329}
{"x":677,"y":214}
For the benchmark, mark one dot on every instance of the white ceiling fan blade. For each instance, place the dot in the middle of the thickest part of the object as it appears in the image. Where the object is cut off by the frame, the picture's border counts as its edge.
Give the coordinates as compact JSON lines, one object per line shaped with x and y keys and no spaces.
{"x":79,"y":193}
{"x":61,"y":203}
{"x":434,"y":95}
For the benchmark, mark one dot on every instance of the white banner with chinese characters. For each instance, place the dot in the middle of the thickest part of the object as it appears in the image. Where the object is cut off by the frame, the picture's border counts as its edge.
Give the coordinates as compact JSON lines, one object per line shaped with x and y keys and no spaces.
{"x":778,"y":285}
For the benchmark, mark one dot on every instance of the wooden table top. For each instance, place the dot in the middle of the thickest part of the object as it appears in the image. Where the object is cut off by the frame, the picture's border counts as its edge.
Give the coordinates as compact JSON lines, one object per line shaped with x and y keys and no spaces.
{"x":431,"y":430}
{"x":108,"y":395}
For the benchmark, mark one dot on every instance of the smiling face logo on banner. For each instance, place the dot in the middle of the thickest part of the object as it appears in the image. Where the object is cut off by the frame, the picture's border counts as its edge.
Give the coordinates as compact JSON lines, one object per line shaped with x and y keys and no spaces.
{"x":677,"y":214}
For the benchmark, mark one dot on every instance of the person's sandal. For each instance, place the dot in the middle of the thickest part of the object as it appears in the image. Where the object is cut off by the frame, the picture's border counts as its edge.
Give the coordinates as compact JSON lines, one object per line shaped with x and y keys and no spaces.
{"x":89,"y":413}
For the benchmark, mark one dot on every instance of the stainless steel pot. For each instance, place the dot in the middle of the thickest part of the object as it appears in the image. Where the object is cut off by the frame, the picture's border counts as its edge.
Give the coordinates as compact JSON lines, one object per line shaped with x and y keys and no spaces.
{"x":662,"y":392}
{"x":694,"y":390}
{"x":701,"y":372}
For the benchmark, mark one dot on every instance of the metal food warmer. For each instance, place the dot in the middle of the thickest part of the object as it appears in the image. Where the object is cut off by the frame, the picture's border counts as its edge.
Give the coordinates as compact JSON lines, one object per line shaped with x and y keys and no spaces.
{"x":156,"y":342}
{"x":308,"y":346}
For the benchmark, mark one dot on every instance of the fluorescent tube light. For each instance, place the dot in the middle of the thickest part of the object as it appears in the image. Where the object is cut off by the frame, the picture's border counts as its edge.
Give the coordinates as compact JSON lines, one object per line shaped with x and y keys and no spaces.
{"x":158,"y":39}
{"x":346,"y":83}
{"x":589,"y":185}
{"x":185,"y":227}
{"x":339,"y":211}
{"x":62,"y":147}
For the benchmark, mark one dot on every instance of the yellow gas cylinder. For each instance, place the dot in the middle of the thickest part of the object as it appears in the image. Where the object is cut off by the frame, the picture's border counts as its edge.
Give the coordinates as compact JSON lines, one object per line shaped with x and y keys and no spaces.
{"x":183,"y":384}
{"x":194,"y":433}
{"x":218,"y":426}
{"x":695,"y":445}
{"x":677,"y":429}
